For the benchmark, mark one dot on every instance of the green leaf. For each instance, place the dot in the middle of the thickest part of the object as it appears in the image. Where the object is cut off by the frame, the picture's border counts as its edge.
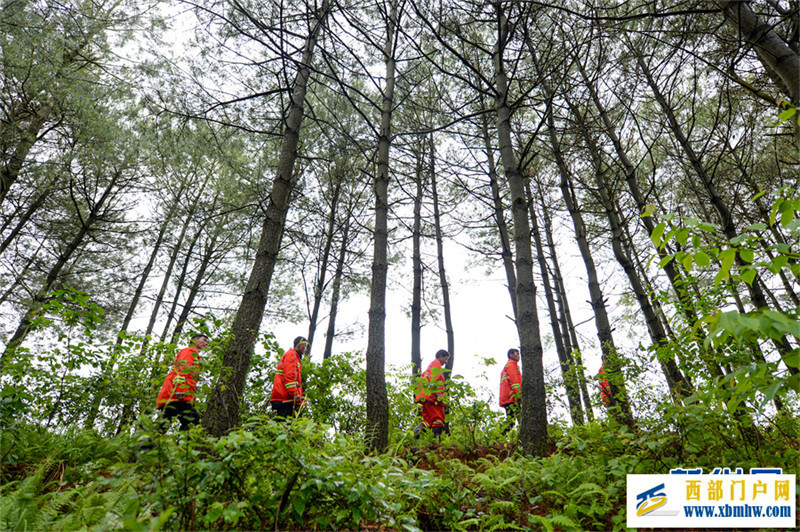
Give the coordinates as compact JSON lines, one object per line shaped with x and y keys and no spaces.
{"x":787,"y":114}
{"x":687,"y":262}
{"x":787,"y":215}
{"x":131,"y":524}
{"x":733,"y":403}
{"x":657,"y":234}
{"x":707,"y":227}
{"x":756,"y":227}
{"x":793,"y":382}
{"x":299,"y":505}
{"x":682,"y":236}
{"x":771,"y":391}
{"x":746,"y":254}
{"x":163,"y":518}
{"x":727,"y":256}
{"x":748,"y":275}
{"x":702,"y":259}
{"x":215,"y":512}
{"x":792,"y":359}
{"x":779,"y":262}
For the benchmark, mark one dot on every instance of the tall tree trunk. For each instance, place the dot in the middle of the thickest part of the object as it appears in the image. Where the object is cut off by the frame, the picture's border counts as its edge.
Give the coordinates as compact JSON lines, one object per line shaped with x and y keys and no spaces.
{"x":87,"y":224}
{"x":724,"y":214}
{"x":620,"y":407}
{"x":337,"y":283}
{"x":188,"y":306}
{"x":500,"y":218}
{"x":416,"y":261}
{"x":680,"y":284}
{"x":137,"y":294}
{"x":33,"y":207}
{"x":10,"y":169}
{"x":377,"y":437}
{"x":180,"y":283}
{"x":108,"y":367}
{"x":168,"y":272}
{"x":568,"y":334}
{"x":222,"y":413}
{"x":564,"y":357}
{"x":437,"y":223}
{"x":319,"y":285}
{"x":533,"y":419}
{"x":678,"y":385}
{"x":781,"y":62}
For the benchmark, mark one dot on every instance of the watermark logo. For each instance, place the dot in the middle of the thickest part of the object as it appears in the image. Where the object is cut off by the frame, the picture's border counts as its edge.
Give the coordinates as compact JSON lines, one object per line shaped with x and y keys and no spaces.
{"x":650,"y":500}
{"x":687,"y":498}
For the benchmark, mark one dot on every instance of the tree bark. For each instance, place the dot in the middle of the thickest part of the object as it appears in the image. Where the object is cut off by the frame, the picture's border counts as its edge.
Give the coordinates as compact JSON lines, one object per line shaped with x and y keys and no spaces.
{"x":678,"y":281}
{"x":678,"y":385}
{"x":335,"y":290}
{"x":168,"y":272}
{"x":319,"y":285}
{"x":87,"y":224}
{"x":568,"y":334}
{"x":620,"y":407}
{"x":180,"y":283}
{"x":222,"y":413}
{"x":781,"y":62}
{"x":500,"y":219}
{"x":723,"y":212}
{"x":448,"y":319}
{"x":416,"y":261}
{"x":533,"y":418}
{"x":377,"y":437}
{"x":564,"y":357}
{"x":188,"y":305}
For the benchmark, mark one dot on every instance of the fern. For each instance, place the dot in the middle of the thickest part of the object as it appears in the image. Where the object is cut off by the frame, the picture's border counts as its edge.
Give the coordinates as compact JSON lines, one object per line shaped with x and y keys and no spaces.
{"x":586,"y":489}
{"x":545,"y":522}
{"x":562,"y":521}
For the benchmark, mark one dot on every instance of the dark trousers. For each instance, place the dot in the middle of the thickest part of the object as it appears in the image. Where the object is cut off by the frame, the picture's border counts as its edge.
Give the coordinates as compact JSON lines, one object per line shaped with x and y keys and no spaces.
{"x":183,"y":410}
{"x":512,"y":416}
{"x":285,"y":410}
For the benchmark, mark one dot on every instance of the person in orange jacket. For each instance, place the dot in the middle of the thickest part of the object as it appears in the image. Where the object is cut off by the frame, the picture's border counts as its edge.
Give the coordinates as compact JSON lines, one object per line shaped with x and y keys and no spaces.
{"x":430,"y":393}
{"x":176,"y":398}
{"x":605,"y":388}
{"x":510,"y":382}
{"x":287,"y":388}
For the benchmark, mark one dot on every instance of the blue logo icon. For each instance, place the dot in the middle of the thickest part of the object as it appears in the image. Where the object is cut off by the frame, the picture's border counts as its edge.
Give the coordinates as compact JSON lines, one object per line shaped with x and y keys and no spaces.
{"x":650,"y":500}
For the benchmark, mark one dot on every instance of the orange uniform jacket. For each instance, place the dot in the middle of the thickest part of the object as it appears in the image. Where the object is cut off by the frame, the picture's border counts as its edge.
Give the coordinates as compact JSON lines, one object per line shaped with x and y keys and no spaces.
{"x":605,"y":389}
{"x":182,"y":378}
{"x":510,"y":381}
{"x":289,"y":378}
{"x":433,"y":385}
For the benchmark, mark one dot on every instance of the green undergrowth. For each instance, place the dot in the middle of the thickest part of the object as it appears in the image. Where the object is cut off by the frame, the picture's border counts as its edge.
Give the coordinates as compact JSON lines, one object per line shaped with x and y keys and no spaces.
{"x":303,"y":476}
